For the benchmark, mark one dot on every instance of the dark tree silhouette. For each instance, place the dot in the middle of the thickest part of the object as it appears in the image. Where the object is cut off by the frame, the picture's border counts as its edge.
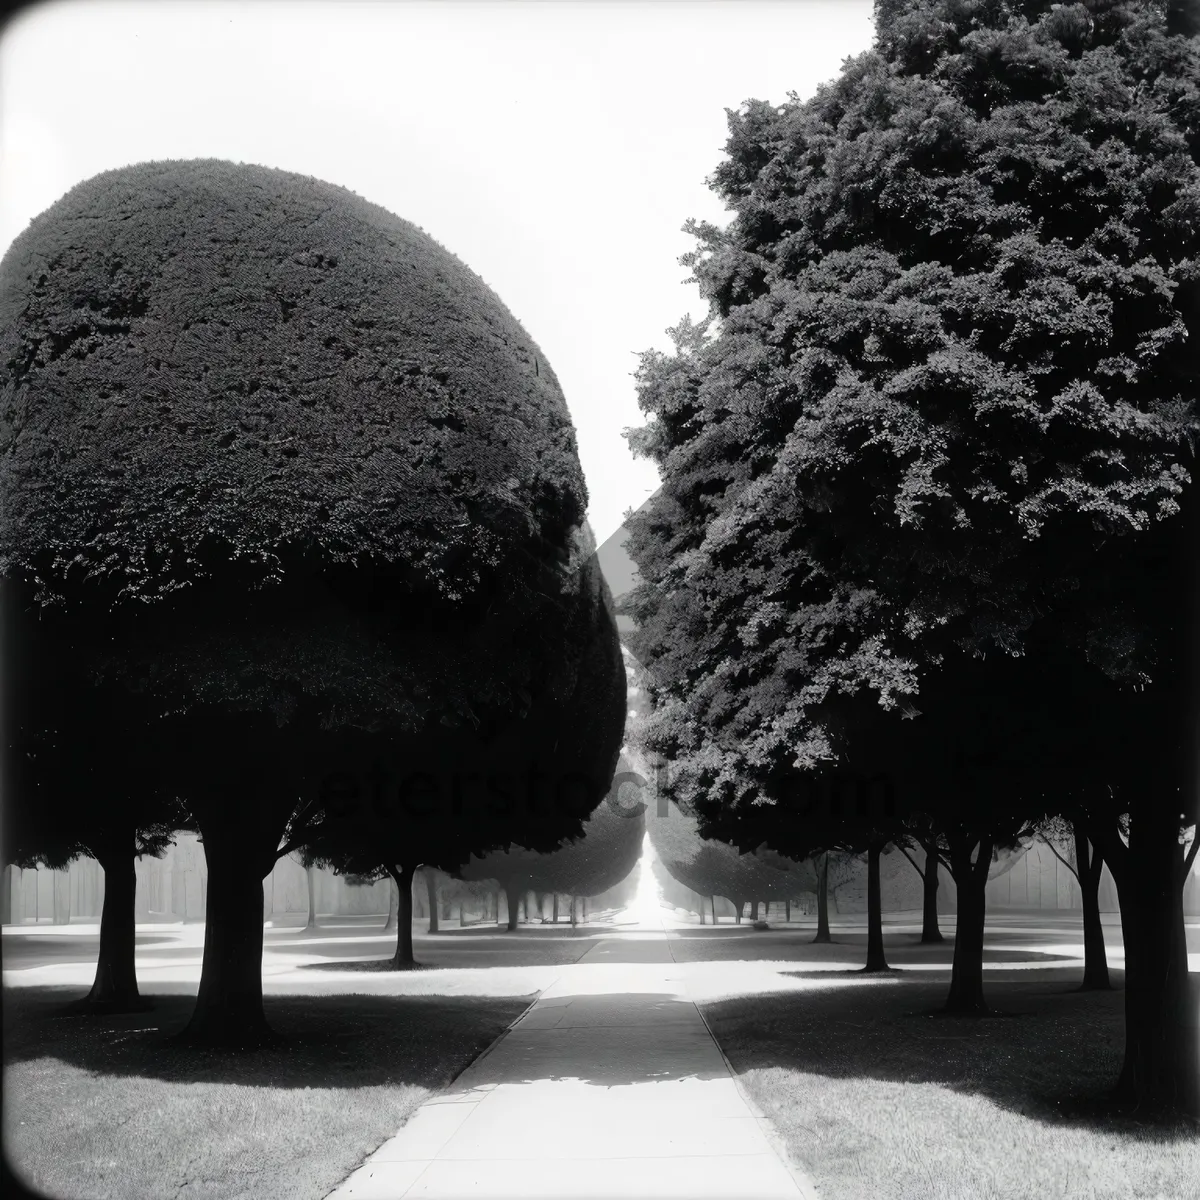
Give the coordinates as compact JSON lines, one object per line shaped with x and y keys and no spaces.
{"x":287,"y":468}
{"x":72,"y":787}
{"x":605,"y":851}
{"x":1070,"y":846}
{"x":947,"y":414}
{"x":438,"y":797}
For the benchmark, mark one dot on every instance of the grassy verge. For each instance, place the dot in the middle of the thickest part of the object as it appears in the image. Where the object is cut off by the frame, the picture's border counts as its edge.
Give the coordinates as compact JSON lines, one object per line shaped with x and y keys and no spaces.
{"x":876,"y":1098}
{"x":100,"y":1107}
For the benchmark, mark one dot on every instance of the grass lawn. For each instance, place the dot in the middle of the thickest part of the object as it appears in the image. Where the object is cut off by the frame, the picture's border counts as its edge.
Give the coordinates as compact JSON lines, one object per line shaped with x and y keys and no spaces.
{"x":877,"y":1099}
{"x":97,"y":1107}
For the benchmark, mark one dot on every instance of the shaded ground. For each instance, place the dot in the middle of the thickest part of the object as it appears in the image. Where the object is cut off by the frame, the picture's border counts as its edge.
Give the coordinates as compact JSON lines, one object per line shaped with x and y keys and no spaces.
{"x":99,"y":1107}
{"x":878,"y":1099}
{"x":873,"y":1100}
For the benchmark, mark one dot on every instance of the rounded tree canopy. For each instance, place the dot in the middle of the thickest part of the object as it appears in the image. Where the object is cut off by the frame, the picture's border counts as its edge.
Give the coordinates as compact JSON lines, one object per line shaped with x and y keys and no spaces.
{"x":218,"y":376}
{"x":714,"y":868}
{"x":603,"y":853}
{"x":206,"y":361}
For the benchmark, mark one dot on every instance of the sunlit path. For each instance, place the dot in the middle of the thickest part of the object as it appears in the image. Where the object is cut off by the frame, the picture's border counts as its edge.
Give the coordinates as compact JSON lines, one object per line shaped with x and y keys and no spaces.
{"x":645,"y":912}
{"x":610,"y":1085}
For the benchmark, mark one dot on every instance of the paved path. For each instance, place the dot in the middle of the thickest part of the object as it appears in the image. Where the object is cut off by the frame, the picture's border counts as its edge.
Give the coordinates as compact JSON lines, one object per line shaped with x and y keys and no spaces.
{"x":609,"y":1086}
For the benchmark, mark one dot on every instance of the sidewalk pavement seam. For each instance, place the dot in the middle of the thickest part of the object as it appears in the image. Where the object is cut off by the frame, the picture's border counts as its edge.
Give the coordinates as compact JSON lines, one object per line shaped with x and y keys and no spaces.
{"x":448,"y":1086}
{"x":803,"y":1183}
{"x":806,"y":1186}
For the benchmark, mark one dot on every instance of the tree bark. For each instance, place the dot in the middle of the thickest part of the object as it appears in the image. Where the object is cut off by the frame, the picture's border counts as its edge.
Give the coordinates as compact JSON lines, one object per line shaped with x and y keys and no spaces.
{"x":754,"y":910}
{"x":431,"y":893}
{"x":823,"y":899}
{"x":115,"y":987}
{"x":739,"y":905}
{"x":555,"y":908}
{"x":402,"y":876}
{"x":876,"y":959}
{"x":312,"y":900}
{"x":574,"y":907}
{"x":229,"y":1003}
{"x":393,"y":901}
{"x":930,"y":932}
{"x":1095,"y":957}
{"x":966,"y":976}
{"x":1162,"y":1041}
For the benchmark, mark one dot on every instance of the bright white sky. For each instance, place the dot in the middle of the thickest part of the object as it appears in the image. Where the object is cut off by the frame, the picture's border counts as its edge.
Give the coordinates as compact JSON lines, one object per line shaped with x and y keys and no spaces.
{"x":556,"y":147}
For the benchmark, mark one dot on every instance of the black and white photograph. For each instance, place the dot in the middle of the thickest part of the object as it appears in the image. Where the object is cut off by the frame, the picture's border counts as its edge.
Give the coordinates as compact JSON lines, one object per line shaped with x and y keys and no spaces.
{"x":600,"y":599}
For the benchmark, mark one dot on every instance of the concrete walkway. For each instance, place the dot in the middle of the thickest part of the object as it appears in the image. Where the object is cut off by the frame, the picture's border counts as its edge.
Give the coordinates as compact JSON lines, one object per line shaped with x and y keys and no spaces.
{"x":609,"y":1086}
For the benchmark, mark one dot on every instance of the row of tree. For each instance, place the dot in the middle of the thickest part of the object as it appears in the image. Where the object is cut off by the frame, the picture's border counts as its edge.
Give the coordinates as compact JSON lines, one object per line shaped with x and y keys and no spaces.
{"x":924,"y":562}
{"x":293,"y":544}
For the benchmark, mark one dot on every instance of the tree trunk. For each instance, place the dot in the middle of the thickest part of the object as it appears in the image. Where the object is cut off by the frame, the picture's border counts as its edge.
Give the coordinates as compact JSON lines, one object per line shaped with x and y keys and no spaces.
{"x":823,"y":899}
{"x":966,"y":976}
{"x":431,"y":893}
{"x":497,"y":902}
{"x":787,"y":911}
{"x":876,"y":960}
{"x":393,"y":899}
{"x":1162,"y":1043}
{"x":312,"y":900}
{"x":929,"y":913}
{"x":574,"y":906}
{"x":739,"y":905}
{"x":555,"y":908}
{"x":512,"y":892}
{"x":1095,"y":957}
{"x":229,"y":1002}
{"x":712,"y":903}
{"x":701,"y":910}
{"x":115,"y":988}
{"x":403,"y":877}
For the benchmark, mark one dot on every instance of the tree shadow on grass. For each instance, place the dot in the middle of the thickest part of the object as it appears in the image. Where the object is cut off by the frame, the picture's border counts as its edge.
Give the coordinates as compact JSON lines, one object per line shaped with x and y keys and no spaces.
{"x":371,"y":964}
{"x":989,"y":956}
{"x":1058,"y":1063}
{"x":340,"y":1040}
{"x":443,"y":952}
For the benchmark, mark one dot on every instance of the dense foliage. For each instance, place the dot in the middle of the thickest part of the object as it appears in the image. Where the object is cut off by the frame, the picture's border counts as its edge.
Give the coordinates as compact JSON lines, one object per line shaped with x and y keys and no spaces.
{"x":941,"y":419}
{"x":283,"y":471}
{"x":951,"y":373}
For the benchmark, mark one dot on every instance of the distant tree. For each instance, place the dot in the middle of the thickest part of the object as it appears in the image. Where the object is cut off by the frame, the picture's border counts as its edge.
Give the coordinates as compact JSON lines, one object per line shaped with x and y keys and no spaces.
{"x":918,"y":831}
{"x":712,"y":867}
{"x":280,"y":496}
{"x":1069,"y":844}
{"x":437,"y":799}
{"x":604,"y":854}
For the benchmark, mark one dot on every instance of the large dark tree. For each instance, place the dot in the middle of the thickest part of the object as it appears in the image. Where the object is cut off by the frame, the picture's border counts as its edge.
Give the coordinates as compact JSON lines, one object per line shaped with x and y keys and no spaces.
{"x":947,"y":412}
{"x":283,"y":466}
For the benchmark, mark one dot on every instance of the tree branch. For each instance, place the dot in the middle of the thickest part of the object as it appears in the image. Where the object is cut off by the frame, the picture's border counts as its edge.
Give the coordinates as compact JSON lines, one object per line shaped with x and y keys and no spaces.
{"x":983,"y":863}
{"x":1054,"y":851}
{"x":1190,"y":856}
{"x":911,"y":859}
